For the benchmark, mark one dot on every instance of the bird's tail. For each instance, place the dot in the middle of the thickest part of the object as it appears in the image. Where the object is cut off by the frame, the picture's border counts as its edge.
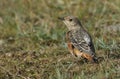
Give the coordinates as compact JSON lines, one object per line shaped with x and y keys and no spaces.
{"x":95,"y":60}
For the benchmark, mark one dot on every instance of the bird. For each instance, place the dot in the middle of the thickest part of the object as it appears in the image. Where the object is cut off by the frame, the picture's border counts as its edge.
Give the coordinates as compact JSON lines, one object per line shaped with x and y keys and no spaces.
{"x":79,"y":41}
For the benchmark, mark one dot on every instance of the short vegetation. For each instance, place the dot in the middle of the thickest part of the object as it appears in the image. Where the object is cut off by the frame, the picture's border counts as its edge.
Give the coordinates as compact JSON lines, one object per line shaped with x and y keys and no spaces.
{"x":33,"y":45}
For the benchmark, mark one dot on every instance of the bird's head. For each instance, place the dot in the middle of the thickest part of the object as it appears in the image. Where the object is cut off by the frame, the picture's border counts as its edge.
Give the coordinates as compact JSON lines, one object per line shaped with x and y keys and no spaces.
{"x":71,"y":22}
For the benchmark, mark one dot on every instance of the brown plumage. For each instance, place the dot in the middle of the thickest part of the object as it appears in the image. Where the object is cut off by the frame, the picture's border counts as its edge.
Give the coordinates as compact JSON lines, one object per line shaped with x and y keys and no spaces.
{"x":78,"y":39}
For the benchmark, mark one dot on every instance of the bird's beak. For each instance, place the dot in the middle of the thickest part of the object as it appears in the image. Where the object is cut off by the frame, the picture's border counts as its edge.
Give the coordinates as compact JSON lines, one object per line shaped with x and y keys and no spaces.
{"x":61,"y":18}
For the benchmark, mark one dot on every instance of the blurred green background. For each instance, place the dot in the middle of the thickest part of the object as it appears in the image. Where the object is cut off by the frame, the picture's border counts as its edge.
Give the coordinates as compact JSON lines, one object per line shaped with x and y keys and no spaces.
{"x":32,"y":39}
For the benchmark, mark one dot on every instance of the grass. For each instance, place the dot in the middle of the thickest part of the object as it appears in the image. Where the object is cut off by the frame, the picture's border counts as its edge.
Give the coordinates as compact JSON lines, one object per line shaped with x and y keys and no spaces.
{"x":32,"y":43}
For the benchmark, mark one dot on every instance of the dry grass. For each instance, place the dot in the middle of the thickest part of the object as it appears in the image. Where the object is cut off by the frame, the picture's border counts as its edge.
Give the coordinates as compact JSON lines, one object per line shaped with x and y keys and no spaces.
{"x":32,"y":44}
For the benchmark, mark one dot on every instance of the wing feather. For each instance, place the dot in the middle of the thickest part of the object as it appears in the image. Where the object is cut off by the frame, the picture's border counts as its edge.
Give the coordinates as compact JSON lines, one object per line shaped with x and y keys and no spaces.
{"x":82,"y":41}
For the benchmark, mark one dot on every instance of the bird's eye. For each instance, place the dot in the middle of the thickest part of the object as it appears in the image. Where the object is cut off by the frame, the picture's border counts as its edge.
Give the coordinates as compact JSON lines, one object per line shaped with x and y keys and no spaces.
{"x":70,"y":19}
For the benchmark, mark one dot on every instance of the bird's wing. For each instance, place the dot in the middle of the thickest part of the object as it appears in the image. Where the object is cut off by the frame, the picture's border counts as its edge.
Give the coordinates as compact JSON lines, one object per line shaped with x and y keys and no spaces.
{"x":82,"y":41}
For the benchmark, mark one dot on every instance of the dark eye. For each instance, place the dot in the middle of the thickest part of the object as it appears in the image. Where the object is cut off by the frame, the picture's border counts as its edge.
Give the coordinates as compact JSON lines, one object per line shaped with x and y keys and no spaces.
{"x":70,"y":19}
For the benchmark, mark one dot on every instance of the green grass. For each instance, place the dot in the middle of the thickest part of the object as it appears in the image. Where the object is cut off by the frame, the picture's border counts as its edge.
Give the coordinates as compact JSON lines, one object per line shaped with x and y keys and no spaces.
{"x":32,"y":39}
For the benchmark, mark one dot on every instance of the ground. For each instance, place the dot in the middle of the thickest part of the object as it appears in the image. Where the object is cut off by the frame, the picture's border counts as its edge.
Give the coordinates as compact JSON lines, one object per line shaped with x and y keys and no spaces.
{"x":33,"y":45}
